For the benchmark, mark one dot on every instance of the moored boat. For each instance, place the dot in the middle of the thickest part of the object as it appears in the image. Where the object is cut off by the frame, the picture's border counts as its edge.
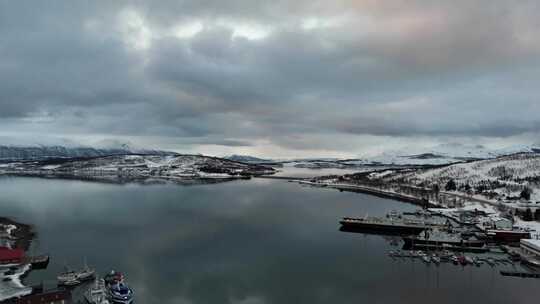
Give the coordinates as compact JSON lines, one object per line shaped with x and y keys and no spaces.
{"x":390,"y":225}
{"x":97,"y":294}
{"x":117,"y":289}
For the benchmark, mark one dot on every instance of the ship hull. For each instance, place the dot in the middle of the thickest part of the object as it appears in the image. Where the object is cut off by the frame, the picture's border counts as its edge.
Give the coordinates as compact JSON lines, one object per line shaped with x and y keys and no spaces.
{"x":503,"y":236}
{"x":380,"y":228}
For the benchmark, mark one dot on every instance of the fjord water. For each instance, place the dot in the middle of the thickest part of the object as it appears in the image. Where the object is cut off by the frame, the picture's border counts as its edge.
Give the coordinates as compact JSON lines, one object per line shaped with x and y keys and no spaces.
{"x":251,"y":241}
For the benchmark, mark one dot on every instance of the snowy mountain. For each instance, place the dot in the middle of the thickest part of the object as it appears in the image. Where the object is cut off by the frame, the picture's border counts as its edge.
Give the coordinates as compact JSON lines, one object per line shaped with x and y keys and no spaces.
{"x":13,"y":153}
{"x":142,"y":167}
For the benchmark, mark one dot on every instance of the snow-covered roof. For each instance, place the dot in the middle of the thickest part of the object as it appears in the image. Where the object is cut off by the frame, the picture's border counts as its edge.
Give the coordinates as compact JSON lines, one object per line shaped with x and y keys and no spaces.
{"x":532,"y":243}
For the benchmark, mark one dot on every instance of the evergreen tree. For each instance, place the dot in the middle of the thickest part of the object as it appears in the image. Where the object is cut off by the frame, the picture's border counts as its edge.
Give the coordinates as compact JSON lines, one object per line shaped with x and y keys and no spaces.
{"x":450,"y":185}
{"x":526,"y":193}
{"x":528,"y":216}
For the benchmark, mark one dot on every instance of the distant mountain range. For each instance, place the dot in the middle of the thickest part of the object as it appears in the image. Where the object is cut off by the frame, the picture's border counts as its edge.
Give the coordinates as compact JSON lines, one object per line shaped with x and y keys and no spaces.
{"x":438,"y":155}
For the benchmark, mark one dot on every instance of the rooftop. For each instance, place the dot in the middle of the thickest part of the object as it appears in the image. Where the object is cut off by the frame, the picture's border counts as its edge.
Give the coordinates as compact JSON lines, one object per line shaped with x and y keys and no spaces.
{"x":531,"y":243}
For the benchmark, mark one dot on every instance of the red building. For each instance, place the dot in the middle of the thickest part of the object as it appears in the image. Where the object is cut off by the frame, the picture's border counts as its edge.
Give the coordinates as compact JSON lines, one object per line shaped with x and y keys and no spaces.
{"x":11,"y":256}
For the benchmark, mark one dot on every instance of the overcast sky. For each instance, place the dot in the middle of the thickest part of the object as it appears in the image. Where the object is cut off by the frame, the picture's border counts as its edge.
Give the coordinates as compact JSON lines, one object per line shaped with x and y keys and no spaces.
{"x":270,"y":78}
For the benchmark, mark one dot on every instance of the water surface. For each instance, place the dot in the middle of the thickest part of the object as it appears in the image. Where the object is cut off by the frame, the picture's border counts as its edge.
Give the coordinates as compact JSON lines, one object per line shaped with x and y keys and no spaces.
{"x":250,"y":241}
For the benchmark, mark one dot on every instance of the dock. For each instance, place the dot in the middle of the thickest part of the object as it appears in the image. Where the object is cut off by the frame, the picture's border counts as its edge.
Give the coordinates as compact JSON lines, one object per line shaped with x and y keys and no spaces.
{"x":520,"y":274}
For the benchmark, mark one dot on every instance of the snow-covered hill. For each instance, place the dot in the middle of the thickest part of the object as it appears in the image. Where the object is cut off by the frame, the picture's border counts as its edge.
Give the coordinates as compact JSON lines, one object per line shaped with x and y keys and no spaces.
{"x":502,"y":178}
{"x":248,"y":159}
{"x":14,"y":153}
{"x":440,"y":155}
{"x":125,"y":168}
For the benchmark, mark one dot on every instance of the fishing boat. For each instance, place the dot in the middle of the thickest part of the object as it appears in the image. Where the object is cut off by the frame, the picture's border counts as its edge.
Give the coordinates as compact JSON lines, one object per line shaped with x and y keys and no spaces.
{"x":97,"y":294}
{"x":68,"y":278}
{"x":477,"y":261}
{"x":73,"y":277}
{"x":86,"y":273}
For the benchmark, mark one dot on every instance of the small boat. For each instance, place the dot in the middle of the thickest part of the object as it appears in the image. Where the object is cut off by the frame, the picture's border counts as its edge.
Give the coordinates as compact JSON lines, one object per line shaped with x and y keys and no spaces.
{"x":68,"y":278}
{"x":120,"y":293}
{"x":454,"y":259}
{"x":70,"y":282}
{"x":39,"y":261}
{"x":469,"y":259}
{"x":435,"y":259}
{"x":477,"y":261}
{"x":86,"y":273}
{"x":117,"y":290}
{"x":72,"y":277}
{"x":490,"y":261}
{"x":462,"y":260}
{"x":426,"y":259}
{"x":97,"y":294}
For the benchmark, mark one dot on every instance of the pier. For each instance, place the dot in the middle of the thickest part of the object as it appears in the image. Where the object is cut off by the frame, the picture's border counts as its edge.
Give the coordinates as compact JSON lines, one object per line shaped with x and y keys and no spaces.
{"x":520,"y":274}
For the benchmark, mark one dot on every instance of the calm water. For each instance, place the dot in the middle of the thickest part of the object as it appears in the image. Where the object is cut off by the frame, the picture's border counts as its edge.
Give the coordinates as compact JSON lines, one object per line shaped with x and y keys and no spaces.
{"x":257,"y":241}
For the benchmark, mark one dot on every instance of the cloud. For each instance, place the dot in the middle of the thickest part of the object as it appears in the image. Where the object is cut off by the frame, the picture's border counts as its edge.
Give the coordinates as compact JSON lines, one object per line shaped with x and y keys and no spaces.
{"x":232,"y":74}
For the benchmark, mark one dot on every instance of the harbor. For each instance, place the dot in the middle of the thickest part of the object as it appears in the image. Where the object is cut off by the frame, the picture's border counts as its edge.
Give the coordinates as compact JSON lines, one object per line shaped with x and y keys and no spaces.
{"x":16,"y":265}
{"x":434,"y":238}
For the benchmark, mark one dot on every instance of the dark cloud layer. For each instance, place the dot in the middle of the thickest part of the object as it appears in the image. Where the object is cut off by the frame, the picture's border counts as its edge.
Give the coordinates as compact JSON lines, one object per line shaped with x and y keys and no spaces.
{"x":240,"y":73}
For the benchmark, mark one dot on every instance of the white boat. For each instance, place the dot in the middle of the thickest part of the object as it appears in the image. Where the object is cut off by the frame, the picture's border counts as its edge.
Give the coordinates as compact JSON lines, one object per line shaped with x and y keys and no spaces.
{"x":426,"y":259}
{"x":97,"y":294}
{"x":72,"y":277}
{"x":86,"y":273}
{"x":68,"y":278}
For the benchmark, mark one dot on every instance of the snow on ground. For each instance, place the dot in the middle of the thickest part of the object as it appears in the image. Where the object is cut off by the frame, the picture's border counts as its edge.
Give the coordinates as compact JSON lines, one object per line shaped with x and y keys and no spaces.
{"x":13,"y":287}
{"x":532,"y":226}
{"x":380,"y":174}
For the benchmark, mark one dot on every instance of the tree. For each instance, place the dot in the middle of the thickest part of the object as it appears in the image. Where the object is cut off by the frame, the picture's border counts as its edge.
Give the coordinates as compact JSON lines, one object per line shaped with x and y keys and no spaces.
{"x":528,"y":216}
{"x":450,"y":185}
{"x":537,"y":214}
{"x":526,"y":193}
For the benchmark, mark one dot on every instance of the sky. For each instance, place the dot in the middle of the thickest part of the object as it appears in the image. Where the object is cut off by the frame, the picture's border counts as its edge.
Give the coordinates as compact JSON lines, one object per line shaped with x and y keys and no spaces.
{"x":298,"y":78}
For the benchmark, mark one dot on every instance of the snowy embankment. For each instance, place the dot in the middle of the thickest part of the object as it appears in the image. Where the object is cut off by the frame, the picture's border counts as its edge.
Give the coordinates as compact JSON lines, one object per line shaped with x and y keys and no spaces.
{"x":10,"y":282}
